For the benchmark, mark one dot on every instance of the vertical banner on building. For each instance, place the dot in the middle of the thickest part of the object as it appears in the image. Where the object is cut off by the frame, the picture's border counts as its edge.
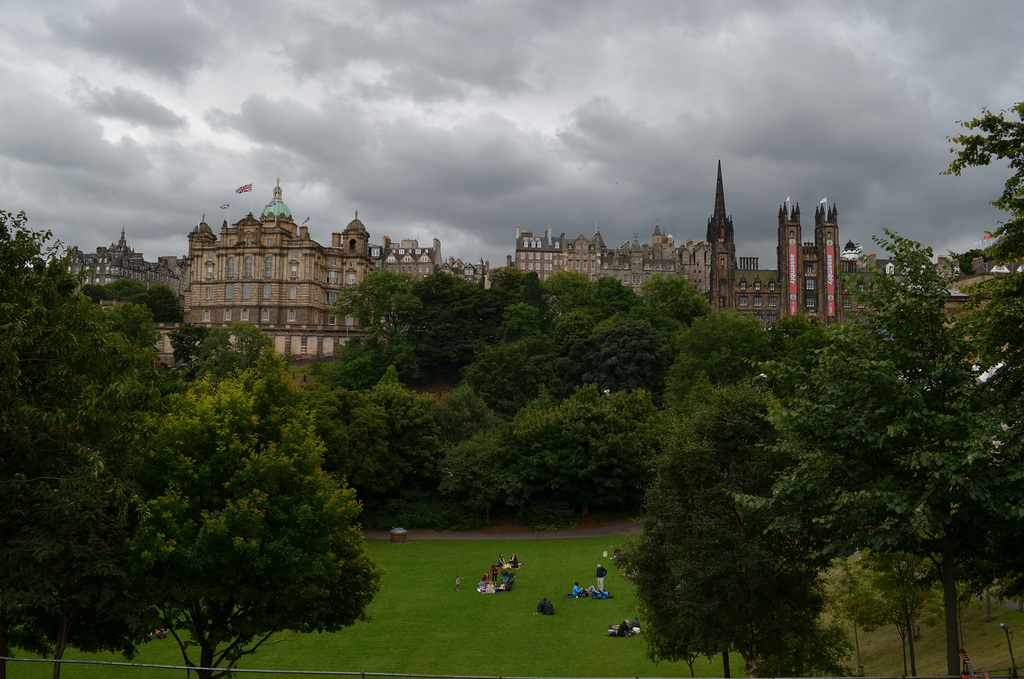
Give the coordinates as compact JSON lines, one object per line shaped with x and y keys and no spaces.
{"x":792,"y":277}
{"x":830,"y":275}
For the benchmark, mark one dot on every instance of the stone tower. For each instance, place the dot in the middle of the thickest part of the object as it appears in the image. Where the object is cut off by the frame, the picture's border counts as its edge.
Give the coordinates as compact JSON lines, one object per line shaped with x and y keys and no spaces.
{"x":722,"y":242}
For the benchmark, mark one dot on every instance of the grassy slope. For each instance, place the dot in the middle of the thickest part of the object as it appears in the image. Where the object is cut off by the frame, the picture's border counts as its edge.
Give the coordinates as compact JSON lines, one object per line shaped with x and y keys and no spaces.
{"x":421,"y":625}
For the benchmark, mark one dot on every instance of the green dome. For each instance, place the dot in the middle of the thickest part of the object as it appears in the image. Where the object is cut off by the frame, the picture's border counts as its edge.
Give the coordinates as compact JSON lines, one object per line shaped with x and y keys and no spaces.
{"x":276,"y":207}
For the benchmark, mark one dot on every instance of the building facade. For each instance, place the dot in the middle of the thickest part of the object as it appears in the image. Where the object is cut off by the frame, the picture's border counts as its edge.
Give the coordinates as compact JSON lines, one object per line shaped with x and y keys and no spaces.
{"x":267,"y":271}
{"x":408,"y":257}
{"x":120,"y":262}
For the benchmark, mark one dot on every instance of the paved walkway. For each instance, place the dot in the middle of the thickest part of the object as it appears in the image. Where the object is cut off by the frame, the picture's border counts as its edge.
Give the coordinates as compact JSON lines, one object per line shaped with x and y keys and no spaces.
{"x":516,"y":532}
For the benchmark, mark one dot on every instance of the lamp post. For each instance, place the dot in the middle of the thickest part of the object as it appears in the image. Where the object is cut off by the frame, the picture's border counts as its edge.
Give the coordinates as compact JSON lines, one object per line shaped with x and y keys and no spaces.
{"x":1013,"y":662}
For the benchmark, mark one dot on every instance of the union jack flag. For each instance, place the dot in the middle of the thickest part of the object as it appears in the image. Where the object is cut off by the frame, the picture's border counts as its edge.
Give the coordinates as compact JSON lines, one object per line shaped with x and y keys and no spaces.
{"x":244,"y":189}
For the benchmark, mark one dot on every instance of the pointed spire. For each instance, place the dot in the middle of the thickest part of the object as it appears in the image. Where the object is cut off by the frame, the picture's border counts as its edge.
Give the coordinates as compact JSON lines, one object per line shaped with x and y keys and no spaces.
{"x":719,"y":195}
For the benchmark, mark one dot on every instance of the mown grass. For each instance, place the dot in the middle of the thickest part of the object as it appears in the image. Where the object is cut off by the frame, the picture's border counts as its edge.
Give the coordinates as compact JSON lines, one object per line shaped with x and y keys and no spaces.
{"x":421,"y":625}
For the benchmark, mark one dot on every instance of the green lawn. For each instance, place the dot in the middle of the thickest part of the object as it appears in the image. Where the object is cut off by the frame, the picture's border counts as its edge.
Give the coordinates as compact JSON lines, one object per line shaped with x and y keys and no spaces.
{"x":421,"y":625}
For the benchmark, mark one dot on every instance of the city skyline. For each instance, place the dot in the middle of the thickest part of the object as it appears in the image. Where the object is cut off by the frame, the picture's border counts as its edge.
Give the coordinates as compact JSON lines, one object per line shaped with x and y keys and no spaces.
{"x":462,"y":120}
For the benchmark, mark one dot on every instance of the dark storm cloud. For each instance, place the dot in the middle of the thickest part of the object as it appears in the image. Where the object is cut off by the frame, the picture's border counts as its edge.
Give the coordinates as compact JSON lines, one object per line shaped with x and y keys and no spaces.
{"x":131,"y":106}
{"x":159,"y":38}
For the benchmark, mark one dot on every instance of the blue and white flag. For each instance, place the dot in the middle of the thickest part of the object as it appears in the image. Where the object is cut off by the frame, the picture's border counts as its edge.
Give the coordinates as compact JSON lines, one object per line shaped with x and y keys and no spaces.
{"x":225,"y":206}
{"x":307,"y":219}
{"x":270,"y":204}
{"x":823,"y":200}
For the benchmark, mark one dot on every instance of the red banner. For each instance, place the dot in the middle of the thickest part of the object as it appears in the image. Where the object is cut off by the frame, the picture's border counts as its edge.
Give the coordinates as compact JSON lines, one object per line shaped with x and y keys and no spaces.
{"x":793,"y":292}
{"x":830,"y":276}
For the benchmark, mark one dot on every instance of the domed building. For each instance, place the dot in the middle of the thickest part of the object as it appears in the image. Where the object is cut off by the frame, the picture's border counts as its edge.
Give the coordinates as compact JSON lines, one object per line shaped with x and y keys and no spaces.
{"x":267,"y":271}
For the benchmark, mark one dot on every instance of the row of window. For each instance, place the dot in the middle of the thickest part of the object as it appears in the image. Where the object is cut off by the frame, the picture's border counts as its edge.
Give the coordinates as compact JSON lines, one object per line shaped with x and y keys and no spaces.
{"x":228,"y":316}
{"x":246,"y":291}
{"x":744,"y":300}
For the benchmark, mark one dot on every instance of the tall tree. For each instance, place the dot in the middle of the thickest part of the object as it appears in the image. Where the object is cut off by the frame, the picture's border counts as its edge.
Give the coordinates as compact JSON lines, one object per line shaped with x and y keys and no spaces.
{"x":383,"y":303}
{"x":163,"y":302}
{"x":895,"y":446}
{"x":135,"y":322}
{"x":244,"y":534}
{"x":709,"y":576}
{"x":70,"y":388}
{"x":622,"y":356}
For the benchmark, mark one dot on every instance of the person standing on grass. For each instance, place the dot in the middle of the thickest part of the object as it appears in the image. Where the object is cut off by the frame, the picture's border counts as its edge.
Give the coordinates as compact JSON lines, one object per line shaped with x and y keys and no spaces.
{"x":601,"y":572}
{"x":458,"y":582}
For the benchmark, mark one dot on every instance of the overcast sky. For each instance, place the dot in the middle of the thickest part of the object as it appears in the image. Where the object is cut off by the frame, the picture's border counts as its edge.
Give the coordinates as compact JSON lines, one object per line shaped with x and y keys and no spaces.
{"x":460,"y":120}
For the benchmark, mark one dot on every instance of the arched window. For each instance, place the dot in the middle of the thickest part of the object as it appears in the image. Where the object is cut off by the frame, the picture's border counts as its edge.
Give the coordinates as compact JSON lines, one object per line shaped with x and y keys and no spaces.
{"x":352,"y":245}
{"x":231,"y":267}
{"x":248,"y":267}
{"x":268,"y":268}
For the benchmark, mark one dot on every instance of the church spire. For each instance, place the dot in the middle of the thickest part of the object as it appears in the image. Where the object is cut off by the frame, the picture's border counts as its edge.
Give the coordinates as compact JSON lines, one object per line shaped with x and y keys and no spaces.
{"x":719,"y":195}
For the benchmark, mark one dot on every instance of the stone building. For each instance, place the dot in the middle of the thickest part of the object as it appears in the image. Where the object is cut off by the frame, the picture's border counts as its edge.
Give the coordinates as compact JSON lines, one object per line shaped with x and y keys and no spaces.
{"x":633,"y":263}
{"x":408,"y":257}
{"x":267,"y":271}
{"x":479,"y":273}
{"x":120,"y":262}
{"x":542,"y":254}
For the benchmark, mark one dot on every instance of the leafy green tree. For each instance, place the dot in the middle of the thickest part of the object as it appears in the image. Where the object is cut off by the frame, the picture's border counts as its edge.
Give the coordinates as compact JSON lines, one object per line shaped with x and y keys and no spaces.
{"x":895,"y":446}
{"x":566,"y":290}
{"x":414,"y":442}
{"x":187,"y":341}
{"x":674,"y":297}
{"x":904,"y":587}
{"x":478,"y":471}
{"x":361,"y":364}
{"x":997,"y":319}
{"x":795,"y":341}
{"x":69,"y":390}
{"x":453,"y":320}
{"x":383,"y":303}
{"x":519,"y":321}
{"x":350,"y":427}
{"x":508,"y":376}
{"x":226,"y":350}
{"x":997,"y":136}
{"x":93,"y":292}
{"x":590,"y":449}
{"x":719,"y":349}
{"x":611,"y":297}
{"x":709,"y":575}
{"x":244,"y":534}
{"x":135,"y":322}
{"x":622,"y":356}
{"x":461,"y":414}
{"x":125,"y":290}
{"x":164,"y":304}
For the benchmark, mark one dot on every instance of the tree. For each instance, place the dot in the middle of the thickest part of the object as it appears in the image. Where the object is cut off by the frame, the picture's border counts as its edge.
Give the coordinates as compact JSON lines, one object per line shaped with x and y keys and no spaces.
{"x":70,"y":388}
{"x":904,"y":588}
{"x":709,"y":576}
{"x":895,"y":445}
{"x":622,"y":356}
{"x":611,"y":297}
{"x":226,"y":350}
{"x":674,"y":297}
{"x":244,"y":534}
{"x":125,"y":290}
{"x":508,"y":376}
{"x":478,"y":472}
{"x":566,"y":290}
{"x":519,"y":321}
{"x":135,"y":322}
{"x":461,"y":414}
{"x":162,"y":301}
{"x":722,"y":349}
{"x":994,"y":136}
{"x":383,"y":303}
{"x":187,"y":340}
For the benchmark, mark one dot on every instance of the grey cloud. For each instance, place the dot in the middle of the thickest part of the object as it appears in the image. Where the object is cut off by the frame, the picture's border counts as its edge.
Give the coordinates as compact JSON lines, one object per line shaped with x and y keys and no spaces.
{"x":162,"y":39}
{"x":132,"y":106}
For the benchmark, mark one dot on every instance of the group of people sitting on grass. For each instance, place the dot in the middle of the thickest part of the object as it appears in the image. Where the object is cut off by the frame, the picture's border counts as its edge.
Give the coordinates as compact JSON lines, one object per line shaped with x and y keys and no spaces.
{"x":500,"y":577}
{"x":589,"y":593}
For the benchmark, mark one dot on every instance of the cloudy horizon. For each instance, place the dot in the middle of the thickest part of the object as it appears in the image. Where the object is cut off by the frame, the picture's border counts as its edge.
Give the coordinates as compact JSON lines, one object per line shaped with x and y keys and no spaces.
{"x":461,"y":120}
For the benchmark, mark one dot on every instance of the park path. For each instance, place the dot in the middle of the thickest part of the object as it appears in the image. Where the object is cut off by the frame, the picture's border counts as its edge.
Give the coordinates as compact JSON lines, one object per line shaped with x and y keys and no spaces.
{"x":512,"y":532}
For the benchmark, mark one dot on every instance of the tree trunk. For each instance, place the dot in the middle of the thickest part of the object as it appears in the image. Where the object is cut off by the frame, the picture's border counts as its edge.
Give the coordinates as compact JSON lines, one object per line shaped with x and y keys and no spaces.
{"x":947,"y":569}
{"x":725,"y":664}
{"x":910,"y":646}
{"x":61,"y":642}
{"x":750,"y":654}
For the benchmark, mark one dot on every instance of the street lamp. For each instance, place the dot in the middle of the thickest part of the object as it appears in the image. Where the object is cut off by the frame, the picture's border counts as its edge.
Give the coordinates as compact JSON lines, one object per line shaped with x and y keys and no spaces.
{"x":1013,"y":662}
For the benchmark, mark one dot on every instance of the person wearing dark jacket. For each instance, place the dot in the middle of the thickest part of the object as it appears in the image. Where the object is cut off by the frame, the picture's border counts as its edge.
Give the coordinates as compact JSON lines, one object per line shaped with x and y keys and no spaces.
{"x":546,"y":607}
{"x":601,"y":572}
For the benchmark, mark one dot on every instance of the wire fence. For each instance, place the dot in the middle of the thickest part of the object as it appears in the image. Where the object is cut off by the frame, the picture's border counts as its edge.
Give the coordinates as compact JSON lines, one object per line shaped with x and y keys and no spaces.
{"x":337,"y":673}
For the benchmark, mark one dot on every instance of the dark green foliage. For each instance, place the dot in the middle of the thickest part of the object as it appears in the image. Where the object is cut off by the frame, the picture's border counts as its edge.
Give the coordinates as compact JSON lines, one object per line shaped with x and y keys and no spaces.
{"x":519,"y":322}
{"x":547,"y":514}
{"x":508,"y":376}
{"x":71,"y":389}
{"x":611,"y":297}
{"x":360,"y":364}
{"x":351,"y":429}
{"x":709,"y":574}
{"x":425,"y":510}
{"x":124,"y":290}
{"x":244,"y":535}
{"x":135,"y":322}
{"x":722,"y":348}
{"x":461,"y":414}
{"x":164,"y":304}
{"x":186,"y":341}
{"x":622,"y":356}
{"x":383,"y":303}
{"x":892,"y":432}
